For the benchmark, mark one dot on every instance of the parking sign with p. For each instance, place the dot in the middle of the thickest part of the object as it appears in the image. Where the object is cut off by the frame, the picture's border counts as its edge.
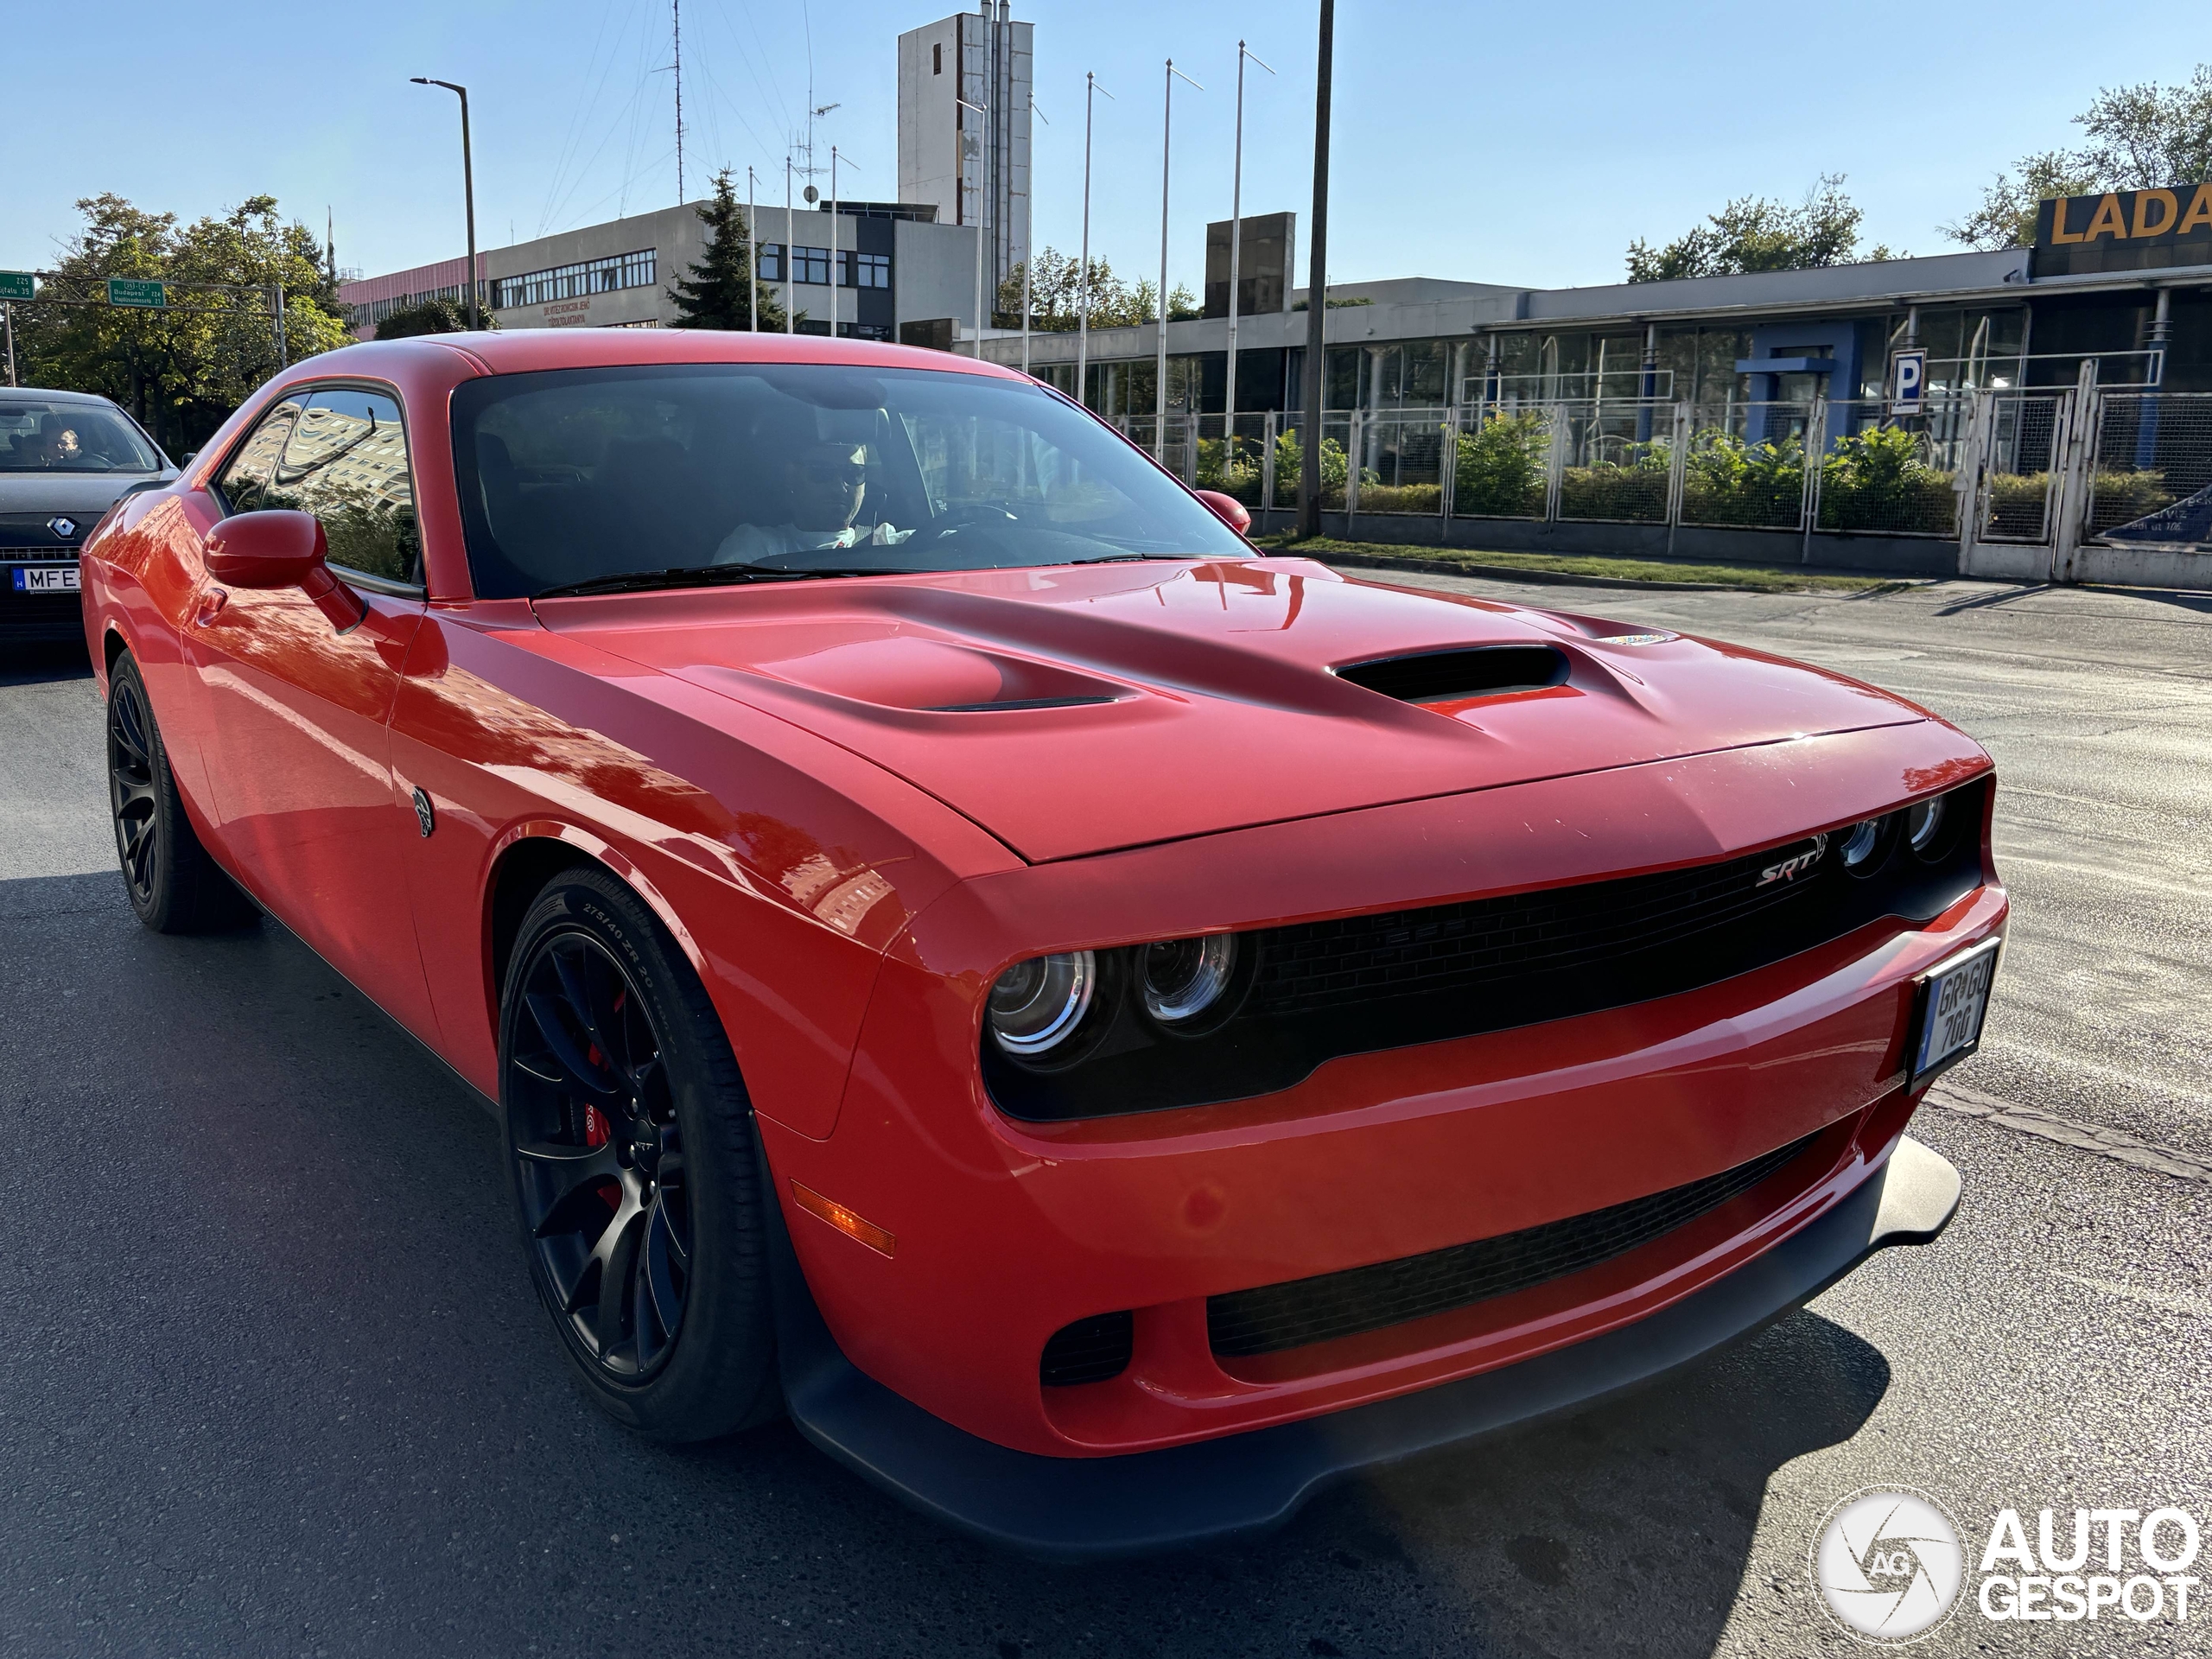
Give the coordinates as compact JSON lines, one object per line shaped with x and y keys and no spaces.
{"x":1908,"y":381}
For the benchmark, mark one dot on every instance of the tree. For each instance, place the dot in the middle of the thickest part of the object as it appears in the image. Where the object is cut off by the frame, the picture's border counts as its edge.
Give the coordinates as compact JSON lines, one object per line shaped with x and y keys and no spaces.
{"x":430,"y":317}
{"x":713,"y":295}
{"x":180,"y":371}
{"x":2140,"y":138}
{"x":1759,"y":233}
{"x":1056,"y":297}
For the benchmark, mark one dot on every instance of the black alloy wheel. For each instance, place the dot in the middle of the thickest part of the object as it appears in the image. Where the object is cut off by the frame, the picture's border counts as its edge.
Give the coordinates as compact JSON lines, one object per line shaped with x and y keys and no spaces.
{"x":175,"y":886}
{"x":601,"y":1155}
{"x":636,"y":1174}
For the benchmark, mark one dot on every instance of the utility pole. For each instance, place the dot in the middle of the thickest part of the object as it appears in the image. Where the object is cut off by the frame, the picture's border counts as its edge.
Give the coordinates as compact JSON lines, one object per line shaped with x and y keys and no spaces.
{"x":1029,"y":259}
{"x":468,"y":187}
{"x":1236,"y":253}
{"x":1317,"y":286}
{"x":837,"y":257}
{"x":791,"y":325}
{"x":1159,"y":373}
{"x":8,"y":323}
{"x":751,"y":251}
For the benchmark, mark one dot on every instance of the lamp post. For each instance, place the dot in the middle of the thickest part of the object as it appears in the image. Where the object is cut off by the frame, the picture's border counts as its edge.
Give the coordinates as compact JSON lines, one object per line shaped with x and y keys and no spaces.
{"x":1317,"y":285}
{"x":986,"y":114}
{"x":836,"y":258}
{"x":467,"y":185}
{"x":1236,"y":251}
{"x":751,"y":252}
{"x":790,"y":327}
{"x":1029,"y":259}
{"x":1083,"y":270}
{"x":1159,"y":373}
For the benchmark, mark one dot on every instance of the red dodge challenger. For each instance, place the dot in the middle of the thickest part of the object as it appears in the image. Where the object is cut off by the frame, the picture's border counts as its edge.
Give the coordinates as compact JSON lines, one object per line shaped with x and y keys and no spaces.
{"x":1108,"y":1030}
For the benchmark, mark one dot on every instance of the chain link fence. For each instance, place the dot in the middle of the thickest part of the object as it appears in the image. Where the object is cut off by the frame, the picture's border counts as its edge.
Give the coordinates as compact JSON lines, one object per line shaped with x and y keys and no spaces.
{"x":2153,"y":455}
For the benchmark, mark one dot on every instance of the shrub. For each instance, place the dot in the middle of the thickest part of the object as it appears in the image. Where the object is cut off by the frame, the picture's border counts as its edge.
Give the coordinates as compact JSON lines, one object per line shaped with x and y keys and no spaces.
{"x":1728,"y":481}
{"x":1876,"y":479}
{"x":1401,"y":498}
{"x":1498,"y":468}
{"x":1336,"y":467}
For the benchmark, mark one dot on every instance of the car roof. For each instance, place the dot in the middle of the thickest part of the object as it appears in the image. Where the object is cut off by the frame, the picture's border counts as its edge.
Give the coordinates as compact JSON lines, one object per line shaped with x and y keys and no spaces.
{"x":523,"y":350}
{"x":56,"y":394}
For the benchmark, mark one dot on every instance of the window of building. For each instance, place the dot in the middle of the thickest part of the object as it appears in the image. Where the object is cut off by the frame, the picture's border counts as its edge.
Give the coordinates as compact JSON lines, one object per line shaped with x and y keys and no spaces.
{"x":807,"y":265}
{"x":864,"y":269}
{"x":607,"y":276}
{"x":936,"y":59}
{"x":864,"y":330}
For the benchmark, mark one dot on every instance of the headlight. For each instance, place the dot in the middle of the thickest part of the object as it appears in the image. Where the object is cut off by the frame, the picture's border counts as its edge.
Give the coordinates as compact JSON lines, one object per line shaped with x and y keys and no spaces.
{"x":1037,"y":1004}
{"x":1860,"y":844}
{"x":1181,"y":979}
{"x":1923,"y":823}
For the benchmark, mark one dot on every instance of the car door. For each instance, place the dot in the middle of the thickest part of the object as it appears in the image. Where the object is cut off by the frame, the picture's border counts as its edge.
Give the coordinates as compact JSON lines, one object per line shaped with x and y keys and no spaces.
{"x":302,"y":768}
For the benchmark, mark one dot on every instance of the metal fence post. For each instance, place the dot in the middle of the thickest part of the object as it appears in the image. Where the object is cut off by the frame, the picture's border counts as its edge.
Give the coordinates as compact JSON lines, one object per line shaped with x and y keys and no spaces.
{"x":1816,"y":445}
{"x":1677,"y":471}
{"x":1447,"y":469}
{"x":1554,"y":460}
{"x":1973,"y":466}
{"x":1355,"y":435}
{"x":2075,"y":485}
{"x":1267,"y":461}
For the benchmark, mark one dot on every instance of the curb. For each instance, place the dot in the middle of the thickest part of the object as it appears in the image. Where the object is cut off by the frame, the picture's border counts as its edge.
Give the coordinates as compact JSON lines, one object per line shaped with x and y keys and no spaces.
{"x":1517,"y":573}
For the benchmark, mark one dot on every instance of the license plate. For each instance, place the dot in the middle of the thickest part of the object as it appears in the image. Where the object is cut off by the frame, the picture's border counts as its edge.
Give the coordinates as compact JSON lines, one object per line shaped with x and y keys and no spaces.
{"x":46,"y":579}
{"x":1954,"y":1001}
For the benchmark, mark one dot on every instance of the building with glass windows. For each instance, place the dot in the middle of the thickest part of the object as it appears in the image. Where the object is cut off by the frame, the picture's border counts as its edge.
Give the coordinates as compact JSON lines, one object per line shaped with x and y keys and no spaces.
{"x":897,"y":267}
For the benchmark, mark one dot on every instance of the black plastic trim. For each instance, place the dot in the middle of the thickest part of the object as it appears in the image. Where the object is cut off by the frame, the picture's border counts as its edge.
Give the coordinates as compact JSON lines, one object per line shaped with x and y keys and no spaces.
{"x":1077,"y":1509}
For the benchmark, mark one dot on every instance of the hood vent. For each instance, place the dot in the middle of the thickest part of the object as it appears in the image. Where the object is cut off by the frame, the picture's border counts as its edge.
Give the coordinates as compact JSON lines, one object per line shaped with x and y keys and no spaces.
{"x":1015,"y":703}
{"x":1456,"y":675}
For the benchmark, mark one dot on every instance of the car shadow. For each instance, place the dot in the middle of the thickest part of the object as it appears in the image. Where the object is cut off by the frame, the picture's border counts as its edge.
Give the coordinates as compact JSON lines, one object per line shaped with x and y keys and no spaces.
{"x":289,"y":1383}
{"x":32,"y":664}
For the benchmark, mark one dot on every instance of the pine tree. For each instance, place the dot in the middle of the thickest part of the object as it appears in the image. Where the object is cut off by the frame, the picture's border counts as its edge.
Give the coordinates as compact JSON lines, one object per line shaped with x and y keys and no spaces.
{"x":713,"y":297}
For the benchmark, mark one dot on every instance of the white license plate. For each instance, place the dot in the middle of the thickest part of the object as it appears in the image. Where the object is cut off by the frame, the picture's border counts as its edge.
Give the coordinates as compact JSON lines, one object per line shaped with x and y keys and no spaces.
{"x":1954,"y":1002}
{"x":46,"y":579}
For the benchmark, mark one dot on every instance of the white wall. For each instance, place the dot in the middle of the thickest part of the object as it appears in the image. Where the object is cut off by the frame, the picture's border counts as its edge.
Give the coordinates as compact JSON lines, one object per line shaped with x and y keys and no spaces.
{"x":933,"y":272}
{"x":929,"y":139}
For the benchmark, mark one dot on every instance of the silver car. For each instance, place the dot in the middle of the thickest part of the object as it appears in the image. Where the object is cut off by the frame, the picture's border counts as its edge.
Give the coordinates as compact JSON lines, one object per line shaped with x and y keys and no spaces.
{"x":65,"y":457}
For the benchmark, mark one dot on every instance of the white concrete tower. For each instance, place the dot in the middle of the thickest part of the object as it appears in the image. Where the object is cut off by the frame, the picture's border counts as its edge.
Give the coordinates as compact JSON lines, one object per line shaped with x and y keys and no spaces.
{"x":975,"y":169}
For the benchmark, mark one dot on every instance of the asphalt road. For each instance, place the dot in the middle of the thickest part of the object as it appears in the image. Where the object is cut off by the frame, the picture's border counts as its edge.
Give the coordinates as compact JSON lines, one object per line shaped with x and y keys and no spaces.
{"x":273,"y":1379}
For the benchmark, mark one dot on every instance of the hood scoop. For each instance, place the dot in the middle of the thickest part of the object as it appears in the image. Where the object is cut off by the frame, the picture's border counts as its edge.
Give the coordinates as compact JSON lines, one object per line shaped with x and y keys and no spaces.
{"x":1461,"y":676}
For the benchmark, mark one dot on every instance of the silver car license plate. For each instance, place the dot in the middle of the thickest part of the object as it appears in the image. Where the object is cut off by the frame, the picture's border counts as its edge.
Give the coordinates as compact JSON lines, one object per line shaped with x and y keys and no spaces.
{"x":1952,"y":1003}
{"x":46,"y":578}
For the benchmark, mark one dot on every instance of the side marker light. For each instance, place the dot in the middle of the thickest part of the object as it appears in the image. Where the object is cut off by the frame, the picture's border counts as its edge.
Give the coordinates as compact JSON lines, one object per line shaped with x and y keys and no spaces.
{"x":844,"y":1220}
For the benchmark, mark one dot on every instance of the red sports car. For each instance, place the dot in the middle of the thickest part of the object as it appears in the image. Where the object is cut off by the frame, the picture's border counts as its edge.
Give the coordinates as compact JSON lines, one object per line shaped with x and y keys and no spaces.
{"x":1108,"y":1029}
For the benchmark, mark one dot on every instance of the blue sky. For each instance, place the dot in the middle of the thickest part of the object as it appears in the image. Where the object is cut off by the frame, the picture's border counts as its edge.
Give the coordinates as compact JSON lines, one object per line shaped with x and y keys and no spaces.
{"x":1521,"y":144}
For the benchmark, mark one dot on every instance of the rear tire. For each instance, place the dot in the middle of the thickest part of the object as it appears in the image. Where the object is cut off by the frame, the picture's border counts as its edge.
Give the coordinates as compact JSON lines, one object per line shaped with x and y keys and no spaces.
{"x":632,"y":1147}
{"x":175,"y":886}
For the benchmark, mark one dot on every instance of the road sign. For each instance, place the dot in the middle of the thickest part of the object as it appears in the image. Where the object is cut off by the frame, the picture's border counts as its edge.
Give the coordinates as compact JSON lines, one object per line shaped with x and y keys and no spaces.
{"x":129,"y":290}
{"x":1907,"y":382}
{"x":15,"y":285}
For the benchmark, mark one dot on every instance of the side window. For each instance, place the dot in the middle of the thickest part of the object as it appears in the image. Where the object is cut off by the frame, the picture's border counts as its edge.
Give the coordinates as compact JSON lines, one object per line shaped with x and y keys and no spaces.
{"x":347,"y":463}
{"x":245,"y":482}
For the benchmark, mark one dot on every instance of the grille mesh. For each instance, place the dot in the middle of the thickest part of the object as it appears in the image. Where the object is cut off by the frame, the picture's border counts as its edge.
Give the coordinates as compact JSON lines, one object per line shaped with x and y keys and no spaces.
{"x":1353,"y":959}
{"x":1272,"y":1318}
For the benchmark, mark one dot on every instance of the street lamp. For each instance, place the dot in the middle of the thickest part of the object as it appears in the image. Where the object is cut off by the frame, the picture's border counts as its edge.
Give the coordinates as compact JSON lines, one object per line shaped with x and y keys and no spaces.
{"x":467,"y":185}
{"x":1029,"y":259}
{"x":1235,"y":251}
{"x":790,"y":252}
{"x":837,"y":259}
{"x":751,"y":252}
{"x":1160,"y":389}
{"x":1083,"y":270}
{"x":983,"y":138}
{"x":1317,"y":285}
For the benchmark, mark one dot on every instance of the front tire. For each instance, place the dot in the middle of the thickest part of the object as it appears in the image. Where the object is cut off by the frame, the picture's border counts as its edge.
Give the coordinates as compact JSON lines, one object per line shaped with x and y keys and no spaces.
{"x":175,"y":885}
{"x":630,"y":1143}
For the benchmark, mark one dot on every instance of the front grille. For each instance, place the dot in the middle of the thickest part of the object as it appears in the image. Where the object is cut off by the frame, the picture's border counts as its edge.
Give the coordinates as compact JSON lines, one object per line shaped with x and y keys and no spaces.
{"x":1089,"y":1351}
{"x":1463,"y":946}
{"x":1364,"y":984}
{"x":1273,"y":1318}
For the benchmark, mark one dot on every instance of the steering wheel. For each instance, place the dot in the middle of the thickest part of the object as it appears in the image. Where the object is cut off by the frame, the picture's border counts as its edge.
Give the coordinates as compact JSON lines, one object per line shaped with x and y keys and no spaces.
{"x":955,"y":519}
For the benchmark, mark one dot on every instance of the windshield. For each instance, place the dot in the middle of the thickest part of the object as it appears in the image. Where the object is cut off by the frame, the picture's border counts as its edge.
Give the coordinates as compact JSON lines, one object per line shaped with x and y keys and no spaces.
{"x":582,"y":475}
{"x":40,"y":437}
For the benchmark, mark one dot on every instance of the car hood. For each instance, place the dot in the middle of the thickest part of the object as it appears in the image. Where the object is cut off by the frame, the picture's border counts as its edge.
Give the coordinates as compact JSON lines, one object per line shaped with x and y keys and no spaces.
{"x":1075,"y":711}
{"x":83,"y":496}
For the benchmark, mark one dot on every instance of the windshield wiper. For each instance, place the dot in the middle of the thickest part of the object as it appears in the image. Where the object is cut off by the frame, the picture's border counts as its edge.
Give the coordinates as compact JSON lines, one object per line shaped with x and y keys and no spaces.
{"x":707,"y":575}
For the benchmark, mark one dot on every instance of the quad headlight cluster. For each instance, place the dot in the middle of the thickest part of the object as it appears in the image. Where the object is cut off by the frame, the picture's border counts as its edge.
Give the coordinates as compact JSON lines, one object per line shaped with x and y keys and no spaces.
{"x":1924,"y":829}
{"x":1051,"y":1010}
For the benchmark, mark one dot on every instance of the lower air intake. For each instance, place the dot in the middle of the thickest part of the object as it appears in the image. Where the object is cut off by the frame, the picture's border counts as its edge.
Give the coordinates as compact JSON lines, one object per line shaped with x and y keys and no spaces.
{"x":1267,"y":1320}
{"x":1089,"y":1351}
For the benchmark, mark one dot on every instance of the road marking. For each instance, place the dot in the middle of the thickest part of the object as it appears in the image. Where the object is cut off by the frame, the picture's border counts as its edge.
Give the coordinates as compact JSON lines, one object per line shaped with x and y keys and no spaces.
{"x":2193,"y":1306}
{"x":2087,"y":1137}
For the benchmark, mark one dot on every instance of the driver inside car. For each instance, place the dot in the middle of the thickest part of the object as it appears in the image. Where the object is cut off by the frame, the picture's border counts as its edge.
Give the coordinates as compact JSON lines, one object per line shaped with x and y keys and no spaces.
{"x":826,"y":484}
{"x":58,"y":444}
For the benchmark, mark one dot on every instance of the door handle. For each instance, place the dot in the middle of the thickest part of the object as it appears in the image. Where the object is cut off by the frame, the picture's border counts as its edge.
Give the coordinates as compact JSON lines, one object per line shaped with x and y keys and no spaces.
{"x":211,"y":604}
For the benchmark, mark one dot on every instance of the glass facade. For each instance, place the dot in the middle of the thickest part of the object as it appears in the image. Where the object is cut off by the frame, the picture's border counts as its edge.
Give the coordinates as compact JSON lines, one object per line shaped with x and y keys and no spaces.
{"x":607,"y":276}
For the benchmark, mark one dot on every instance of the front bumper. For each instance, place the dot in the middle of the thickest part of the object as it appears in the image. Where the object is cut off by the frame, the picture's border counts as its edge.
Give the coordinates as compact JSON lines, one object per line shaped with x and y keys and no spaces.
{"x":1075,"y":1508}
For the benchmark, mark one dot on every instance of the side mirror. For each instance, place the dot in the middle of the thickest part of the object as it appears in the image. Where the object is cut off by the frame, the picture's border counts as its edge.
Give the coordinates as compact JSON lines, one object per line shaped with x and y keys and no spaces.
{"x":1228,"y":509}
{"x":282,"y":549}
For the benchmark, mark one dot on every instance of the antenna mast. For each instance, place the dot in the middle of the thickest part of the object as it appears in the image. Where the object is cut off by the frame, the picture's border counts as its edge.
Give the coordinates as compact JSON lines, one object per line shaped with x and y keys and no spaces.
{"x":676,"y":8}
